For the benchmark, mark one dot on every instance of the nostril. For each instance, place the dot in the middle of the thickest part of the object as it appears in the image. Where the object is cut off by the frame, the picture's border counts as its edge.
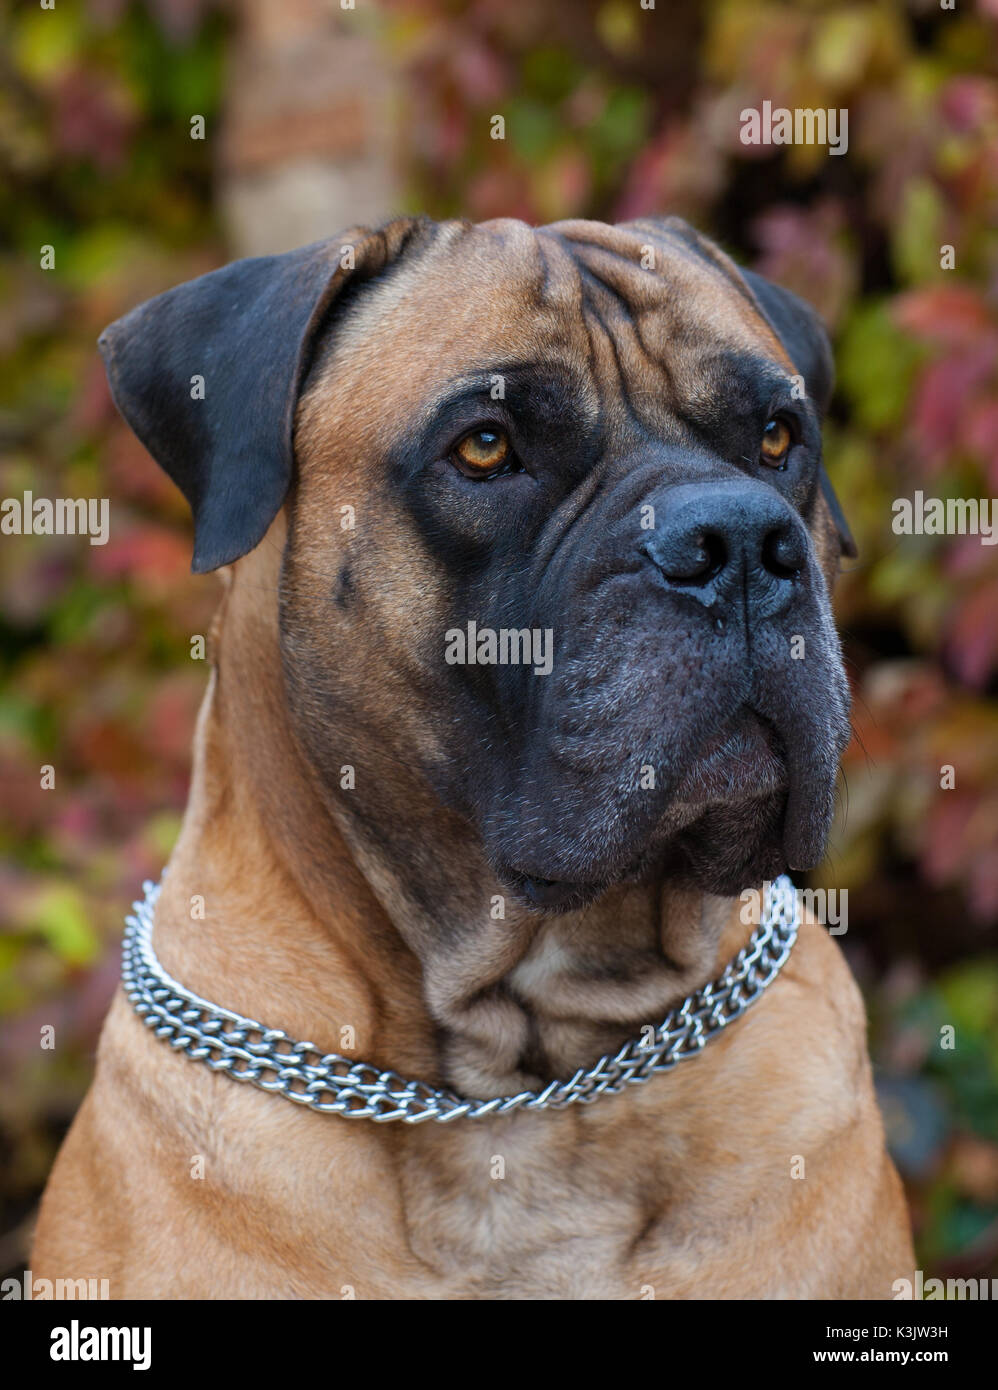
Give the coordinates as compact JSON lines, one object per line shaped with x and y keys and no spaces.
{"x":696,"y":561}
{"x":783,"y":553}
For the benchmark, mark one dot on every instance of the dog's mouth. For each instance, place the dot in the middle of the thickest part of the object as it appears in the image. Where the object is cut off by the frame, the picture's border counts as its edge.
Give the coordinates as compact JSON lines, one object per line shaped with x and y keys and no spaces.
{"x":742,"y":765}
{"x":550,"y":895}
{"x":742,"y":761}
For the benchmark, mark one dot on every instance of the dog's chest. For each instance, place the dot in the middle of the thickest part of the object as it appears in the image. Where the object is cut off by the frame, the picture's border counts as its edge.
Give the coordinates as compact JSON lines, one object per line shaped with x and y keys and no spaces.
{"x":544,"y":1206}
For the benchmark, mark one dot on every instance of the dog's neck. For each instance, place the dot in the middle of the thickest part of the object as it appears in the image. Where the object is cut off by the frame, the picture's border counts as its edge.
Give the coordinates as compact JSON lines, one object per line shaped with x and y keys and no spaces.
{"x":422,"y":964}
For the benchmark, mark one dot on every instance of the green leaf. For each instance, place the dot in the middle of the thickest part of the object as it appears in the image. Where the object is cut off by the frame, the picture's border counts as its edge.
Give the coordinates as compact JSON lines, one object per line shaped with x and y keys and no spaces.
{"x":60,"y":917}
{"x":534,"y":129}
{"x":46,"y":42}
{"x":918,"y":233}
{"x":970,"y":995}
{"x":876,"y":363}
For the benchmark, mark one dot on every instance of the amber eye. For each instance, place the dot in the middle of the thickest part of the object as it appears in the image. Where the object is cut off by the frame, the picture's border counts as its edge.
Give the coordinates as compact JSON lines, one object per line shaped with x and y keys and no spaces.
{"x":483,"y":452}
{"x":776,"y":441}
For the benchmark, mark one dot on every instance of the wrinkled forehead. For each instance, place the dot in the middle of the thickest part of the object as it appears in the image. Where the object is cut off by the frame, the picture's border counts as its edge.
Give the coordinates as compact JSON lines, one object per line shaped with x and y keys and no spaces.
{"x":632,"y":319}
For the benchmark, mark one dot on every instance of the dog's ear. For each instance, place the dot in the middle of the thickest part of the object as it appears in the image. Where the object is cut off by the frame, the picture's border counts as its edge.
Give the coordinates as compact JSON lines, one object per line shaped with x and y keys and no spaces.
{"x":801,"y":332}
{"x":208,"y":376}
{"x":806,"y":343}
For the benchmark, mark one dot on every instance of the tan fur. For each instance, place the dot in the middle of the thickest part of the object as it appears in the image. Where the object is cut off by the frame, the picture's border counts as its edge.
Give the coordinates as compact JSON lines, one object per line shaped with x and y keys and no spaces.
{"x":682,"y":1186}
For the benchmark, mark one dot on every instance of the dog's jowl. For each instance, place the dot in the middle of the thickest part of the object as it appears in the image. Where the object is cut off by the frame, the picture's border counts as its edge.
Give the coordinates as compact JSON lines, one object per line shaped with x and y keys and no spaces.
{"x":525,"y":671}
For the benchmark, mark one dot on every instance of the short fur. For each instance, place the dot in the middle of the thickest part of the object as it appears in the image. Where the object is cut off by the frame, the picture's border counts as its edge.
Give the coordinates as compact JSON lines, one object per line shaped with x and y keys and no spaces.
{"x":639,"y":368}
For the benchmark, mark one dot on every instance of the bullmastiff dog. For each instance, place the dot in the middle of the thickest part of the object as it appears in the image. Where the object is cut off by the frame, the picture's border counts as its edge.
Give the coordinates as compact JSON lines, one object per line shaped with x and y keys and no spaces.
{"x":478,"y":863}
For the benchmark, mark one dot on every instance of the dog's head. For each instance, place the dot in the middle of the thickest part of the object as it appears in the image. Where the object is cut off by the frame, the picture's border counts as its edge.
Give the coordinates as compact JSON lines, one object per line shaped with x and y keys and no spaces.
{"x":559,"y":537}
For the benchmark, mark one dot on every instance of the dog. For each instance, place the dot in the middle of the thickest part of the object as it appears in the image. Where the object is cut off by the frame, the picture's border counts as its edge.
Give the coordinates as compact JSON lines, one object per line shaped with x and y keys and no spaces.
{"x":480,"y":861}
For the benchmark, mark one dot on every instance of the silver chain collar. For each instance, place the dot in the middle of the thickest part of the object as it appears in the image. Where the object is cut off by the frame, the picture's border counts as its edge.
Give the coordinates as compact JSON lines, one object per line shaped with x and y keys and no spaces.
{"x":324,"y":1081}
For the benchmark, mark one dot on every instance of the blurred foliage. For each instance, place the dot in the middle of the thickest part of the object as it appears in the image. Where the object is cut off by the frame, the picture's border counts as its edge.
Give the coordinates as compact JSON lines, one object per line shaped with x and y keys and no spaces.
{"x":97,"y":681}
{"x":614,"y":112}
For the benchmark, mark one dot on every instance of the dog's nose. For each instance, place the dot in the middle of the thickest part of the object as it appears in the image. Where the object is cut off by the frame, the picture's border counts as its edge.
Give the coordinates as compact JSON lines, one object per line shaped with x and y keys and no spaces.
{"x":721,"y":540}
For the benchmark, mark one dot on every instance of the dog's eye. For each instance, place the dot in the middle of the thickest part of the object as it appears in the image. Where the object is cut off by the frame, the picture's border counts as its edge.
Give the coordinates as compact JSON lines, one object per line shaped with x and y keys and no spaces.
{"x":777,"y":438}
{"x":483,"y":453}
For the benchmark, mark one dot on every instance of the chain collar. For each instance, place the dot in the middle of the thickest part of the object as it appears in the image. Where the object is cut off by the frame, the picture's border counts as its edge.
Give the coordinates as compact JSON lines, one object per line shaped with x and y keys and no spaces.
{"x":301,"y":1072}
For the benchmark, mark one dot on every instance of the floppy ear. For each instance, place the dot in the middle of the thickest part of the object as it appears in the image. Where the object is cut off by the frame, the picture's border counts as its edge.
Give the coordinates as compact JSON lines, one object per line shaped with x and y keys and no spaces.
{"x":208,"y":376}
{"x":803,"y":336}
{"x":801,"y":332}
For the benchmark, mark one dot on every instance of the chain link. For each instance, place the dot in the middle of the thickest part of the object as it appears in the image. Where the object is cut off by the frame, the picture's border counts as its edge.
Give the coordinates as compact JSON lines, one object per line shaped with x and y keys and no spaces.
{"x":331,"y":1084}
